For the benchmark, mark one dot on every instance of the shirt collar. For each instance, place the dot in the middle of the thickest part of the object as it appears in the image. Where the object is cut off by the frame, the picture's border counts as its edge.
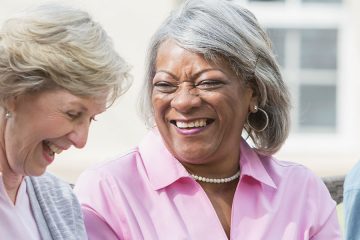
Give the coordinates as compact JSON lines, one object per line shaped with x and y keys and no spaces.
{"x":252,"y":165}
{"x":163,"y":168}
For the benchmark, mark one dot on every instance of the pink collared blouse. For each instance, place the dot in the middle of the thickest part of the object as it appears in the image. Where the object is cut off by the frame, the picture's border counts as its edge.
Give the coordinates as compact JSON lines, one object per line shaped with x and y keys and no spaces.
{"x":148,"y":194}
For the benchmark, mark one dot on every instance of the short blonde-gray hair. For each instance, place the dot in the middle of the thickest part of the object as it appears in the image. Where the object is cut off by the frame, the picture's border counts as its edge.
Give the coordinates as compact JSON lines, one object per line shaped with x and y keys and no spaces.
{"x":57,"y":46}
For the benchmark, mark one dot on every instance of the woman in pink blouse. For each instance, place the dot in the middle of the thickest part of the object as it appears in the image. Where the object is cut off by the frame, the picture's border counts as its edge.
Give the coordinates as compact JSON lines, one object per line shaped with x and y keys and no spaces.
{"x":220,"y":108}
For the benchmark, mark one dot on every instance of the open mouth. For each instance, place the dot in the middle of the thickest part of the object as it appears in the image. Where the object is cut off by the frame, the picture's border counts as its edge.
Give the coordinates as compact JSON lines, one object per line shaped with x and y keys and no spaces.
{"x":52,"y":148}
{"x":199,"y":123}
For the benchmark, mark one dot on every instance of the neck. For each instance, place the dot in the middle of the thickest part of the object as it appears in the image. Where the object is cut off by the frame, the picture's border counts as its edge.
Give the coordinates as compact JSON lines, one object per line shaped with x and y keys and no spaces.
{"x":214,"y":169}
{"x":11,"y":179}
{"x":220,"y":164}
{"x":12,"y":184}
{"x":216,"y":180}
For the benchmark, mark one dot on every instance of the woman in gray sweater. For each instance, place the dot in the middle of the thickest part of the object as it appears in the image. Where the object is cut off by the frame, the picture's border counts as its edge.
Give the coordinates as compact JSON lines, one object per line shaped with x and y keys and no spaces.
{"x":58,"y":70}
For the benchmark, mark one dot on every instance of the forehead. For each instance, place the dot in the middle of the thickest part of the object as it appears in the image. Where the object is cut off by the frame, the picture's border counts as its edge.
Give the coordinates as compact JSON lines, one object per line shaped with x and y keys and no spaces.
{"x":94,"y":104}
{"x":170,"y":54}
{"x":62,"y":97}
{"x":173,"y":58}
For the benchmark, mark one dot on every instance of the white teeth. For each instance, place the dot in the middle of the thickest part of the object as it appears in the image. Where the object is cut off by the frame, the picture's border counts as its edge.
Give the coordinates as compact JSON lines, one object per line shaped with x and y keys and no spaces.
{"x":197,"y":123}
{"x":54,"y":148}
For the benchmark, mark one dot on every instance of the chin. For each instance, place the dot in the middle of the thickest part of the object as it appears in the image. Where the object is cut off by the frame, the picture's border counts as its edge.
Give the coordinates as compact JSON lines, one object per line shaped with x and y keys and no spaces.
{"x":36,"y":173}
{"x":190,"y":158}
{"x":195,"y":155}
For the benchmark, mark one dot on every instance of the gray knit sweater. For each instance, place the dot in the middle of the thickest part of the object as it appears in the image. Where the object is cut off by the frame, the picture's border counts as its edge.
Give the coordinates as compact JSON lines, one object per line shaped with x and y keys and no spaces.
{"x":56,"y":209}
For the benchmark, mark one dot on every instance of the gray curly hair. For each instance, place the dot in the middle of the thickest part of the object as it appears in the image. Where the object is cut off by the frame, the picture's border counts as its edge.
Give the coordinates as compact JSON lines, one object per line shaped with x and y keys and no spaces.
{"x":57,"y":46}
{"x":224,"y":32}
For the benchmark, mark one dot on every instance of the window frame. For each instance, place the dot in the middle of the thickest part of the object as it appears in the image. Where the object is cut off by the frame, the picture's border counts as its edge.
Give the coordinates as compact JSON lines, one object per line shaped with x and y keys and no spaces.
{"x":295,"y":15}
{"x":293,"y":74}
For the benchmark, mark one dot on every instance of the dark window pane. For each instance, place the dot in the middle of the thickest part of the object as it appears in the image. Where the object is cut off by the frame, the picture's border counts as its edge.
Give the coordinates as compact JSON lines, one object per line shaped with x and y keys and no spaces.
{"x":321,"y":1}
{"x":277,"y":37}
{"x":317,"y":106}
{"x":319,"y":48}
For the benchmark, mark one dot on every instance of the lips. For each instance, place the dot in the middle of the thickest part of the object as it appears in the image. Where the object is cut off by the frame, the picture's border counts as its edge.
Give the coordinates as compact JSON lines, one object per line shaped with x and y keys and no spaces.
{"x":52,"y":148}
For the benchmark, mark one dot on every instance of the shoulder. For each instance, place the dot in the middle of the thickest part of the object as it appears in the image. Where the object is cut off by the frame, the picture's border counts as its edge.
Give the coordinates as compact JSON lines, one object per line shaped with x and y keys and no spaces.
{"x":121,"y":169}
{"x":57,"y":202}
{"x":51,"y":185}
{"x":50,"y":180}
{"x":352,"y":180}
{"x":265,"y":166}
{"x":117,"y":165}
{"x":110,"y":182}
{"x":286,"y":168}
{"x":295,"y":176}
{"x":295,"y":181}
{"x":51,"y":190}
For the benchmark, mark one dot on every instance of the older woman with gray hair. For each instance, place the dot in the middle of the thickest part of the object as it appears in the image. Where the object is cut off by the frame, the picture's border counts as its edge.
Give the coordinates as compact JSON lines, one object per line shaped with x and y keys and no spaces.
{"x":219,"y":109}
{"x":58,"y":70}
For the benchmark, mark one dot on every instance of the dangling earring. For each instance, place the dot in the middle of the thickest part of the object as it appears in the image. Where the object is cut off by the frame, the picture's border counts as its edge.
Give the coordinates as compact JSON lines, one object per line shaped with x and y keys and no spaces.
{"x":255,"y":116}
{"x":8,"y":115}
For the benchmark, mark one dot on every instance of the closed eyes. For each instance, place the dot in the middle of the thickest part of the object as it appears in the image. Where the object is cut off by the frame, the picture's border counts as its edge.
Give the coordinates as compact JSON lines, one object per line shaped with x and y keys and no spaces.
{"x":169,"y":87}
{"x":77,"y":115}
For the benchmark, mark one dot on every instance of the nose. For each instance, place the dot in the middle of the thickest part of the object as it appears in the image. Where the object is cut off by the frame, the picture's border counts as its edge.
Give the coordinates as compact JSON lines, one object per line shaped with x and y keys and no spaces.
{"x":78,"y":136}
{"x":186,"y":98}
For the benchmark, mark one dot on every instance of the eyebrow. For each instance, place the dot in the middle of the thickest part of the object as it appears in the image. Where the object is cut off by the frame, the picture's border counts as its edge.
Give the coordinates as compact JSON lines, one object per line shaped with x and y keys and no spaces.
{"x":194,"y":76}
{"x":80,"y":105}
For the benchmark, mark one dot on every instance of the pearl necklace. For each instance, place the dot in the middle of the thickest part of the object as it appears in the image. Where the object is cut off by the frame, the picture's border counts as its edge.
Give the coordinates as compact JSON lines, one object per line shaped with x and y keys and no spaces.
{"x":216,"y":180}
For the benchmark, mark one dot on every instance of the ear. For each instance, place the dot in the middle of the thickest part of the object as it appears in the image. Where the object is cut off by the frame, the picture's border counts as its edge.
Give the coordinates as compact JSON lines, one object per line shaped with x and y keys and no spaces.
{"x":253,"y":103}
{"x":10,"y":104}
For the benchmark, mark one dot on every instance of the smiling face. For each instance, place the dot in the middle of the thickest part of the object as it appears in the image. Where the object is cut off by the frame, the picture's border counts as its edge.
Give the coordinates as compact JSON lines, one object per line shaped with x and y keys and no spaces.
{"x":200,"y":108}
{"x":46,"y":123}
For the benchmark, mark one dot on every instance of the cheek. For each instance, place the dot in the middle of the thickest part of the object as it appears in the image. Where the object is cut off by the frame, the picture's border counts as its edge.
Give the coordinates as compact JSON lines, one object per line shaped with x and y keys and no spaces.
{"x":160,"y":104}
{"x":234,"y":108}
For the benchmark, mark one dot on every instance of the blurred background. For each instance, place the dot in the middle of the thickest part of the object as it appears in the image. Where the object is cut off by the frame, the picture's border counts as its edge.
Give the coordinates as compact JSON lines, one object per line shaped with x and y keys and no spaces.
{"x":317,"y":43}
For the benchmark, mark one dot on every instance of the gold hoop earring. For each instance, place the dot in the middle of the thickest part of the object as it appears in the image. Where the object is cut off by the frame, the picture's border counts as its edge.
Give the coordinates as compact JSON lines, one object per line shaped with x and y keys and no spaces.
{"x":259,"y":115}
